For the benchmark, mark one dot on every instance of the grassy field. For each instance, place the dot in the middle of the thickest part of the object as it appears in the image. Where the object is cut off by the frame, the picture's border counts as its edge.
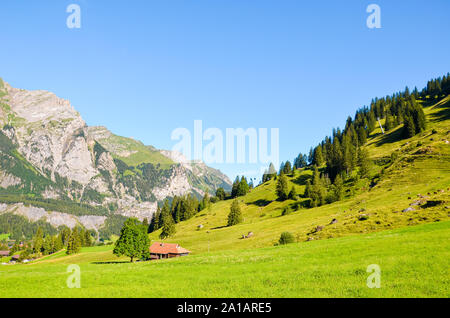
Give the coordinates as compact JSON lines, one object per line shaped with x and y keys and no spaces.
{"x":422,"y":167}
{"x":411,"y":248}
{"x":414,"y":262}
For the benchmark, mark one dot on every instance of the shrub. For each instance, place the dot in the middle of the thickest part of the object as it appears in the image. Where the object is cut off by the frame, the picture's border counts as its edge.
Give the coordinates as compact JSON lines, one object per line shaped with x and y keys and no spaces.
{"x":286,"y":238}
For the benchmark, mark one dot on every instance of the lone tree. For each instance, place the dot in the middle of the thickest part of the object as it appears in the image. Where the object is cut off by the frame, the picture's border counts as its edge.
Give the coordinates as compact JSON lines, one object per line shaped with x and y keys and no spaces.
{"x":235,"y":216}
{"x":133,"y":241}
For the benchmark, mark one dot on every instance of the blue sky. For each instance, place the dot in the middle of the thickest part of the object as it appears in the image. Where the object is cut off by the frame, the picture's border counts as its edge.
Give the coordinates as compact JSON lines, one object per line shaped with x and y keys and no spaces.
{"x":144,"y":68}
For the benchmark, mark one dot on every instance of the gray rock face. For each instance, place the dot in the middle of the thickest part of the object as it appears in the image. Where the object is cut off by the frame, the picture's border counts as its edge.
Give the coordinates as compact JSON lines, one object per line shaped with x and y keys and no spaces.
{"x":56,"y":219}
{"x":7,"y":180}
{"x":51,"y":134}
{"x":79,"y":162}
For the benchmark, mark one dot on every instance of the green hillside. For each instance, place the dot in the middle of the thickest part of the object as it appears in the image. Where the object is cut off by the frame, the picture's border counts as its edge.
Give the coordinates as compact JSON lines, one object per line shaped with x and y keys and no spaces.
{"x":396,"y":215}
{"x":413,"y":262}
{"x":421,"y":167}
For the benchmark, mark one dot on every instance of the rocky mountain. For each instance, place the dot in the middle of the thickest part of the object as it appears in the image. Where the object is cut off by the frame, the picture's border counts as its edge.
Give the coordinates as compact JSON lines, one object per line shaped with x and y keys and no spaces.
{"x":54,"y":167}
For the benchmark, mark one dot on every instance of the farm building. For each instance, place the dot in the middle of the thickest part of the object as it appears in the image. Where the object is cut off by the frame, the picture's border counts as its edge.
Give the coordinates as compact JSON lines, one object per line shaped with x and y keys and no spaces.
{"x":167,"y":250}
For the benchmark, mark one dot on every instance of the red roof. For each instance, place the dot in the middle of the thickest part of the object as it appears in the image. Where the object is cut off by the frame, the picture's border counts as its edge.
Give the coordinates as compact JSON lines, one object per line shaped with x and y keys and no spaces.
{"x":167,"y":248}
{"x":4,"y":253}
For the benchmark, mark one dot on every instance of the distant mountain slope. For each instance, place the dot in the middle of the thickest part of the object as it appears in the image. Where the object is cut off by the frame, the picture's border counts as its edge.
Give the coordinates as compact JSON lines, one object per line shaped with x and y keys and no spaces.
{"x":409,"y":184}
{"x":50,"y":159}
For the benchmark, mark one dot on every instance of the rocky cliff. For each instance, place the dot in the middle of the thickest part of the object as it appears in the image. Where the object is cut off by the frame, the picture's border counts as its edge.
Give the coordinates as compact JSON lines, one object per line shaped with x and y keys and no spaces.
{"x":68,"y":173}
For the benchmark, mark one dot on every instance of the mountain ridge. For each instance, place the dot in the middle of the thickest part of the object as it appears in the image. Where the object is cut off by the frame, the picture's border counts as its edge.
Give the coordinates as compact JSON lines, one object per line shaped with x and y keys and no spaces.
{"x":49,"y":156}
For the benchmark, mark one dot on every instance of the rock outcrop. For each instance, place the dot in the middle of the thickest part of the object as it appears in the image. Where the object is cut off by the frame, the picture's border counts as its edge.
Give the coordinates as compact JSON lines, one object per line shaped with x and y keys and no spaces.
{"x":49,"y":152}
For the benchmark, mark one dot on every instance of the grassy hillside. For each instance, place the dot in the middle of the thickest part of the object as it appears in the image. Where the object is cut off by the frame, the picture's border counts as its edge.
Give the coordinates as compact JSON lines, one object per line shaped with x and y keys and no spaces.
{"x":413,"y":262}
{"x":373,"y":227}
{"x":421,"y":166}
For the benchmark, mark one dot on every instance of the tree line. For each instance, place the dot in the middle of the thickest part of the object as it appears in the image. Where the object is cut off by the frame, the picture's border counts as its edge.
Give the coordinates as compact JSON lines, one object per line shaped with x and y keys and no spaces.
{"x":337,"y":157}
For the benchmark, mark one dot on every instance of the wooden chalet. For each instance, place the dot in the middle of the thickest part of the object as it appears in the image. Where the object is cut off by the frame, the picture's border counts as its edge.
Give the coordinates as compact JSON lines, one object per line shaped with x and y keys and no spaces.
{"x":160,"y":250}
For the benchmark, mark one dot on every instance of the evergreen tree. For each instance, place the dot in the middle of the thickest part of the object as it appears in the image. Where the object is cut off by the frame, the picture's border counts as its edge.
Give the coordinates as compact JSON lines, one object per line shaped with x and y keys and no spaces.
{"x":168,"y":228}
{"x":206,"y":201}
{"x":235,"y":187}
{"x":362,"y":136}
{"x":363,"y":162}
{"x":220,"y":193}
{"x":270,"y":173}
{"x":318,"y":156}
{"x":409,"y":129}
{"x":47,"y":245}
{"x":287,"y":169}
{"x":235,"y":216}
{"x":154,"y":223}
{"x":74,"y":242}
{"x":133,"y":241}
{"x":282,"y":189}
{"x":38,"y":241}
{"x":292,"y":194}
{"x":338,"y":188}
{"x":317,"y":191}
{"x":58,"y":243}
{"x":243,"y":187}
{"x":87,"y":239}
{"x":388,"y":125}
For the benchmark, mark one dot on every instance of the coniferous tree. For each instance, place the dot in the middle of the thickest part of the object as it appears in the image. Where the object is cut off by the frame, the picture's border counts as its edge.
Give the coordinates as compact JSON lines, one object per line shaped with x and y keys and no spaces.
{"x":362,"y":137}
{"x":388,"y":125}
{"x":206,"y":201}
{"x":409,"y":129}
{"x":235,"y":187}
{"x":220,"y":193}
{"x":38,"y":241}
{"x":318,"y":156}
{"x":168,"y":228}
{"x":317,"y":191}
{"x":235,"y":216}
{"x":47,"y":245}
{"x":154,"y":223}
{"x":287,"y":169}
{"x":74,"y":242}
{"x":363,"y":162}
{"x":282,"y":189}
{"x":269,"y":174}
{"x":338,"y":188}
{"x":292,"y":194}
{"x":243,"y":187}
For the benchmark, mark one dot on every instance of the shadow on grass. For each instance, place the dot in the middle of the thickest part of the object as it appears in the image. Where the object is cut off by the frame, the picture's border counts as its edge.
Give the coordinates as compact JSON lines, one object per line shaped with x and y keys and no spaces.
{"x":301,"y":180}
{"x":442,"y":114}
{"x":391,"y":137}
{"x":260,"y":202}
{"x":111,"y":262}
{"x":219,"y":227}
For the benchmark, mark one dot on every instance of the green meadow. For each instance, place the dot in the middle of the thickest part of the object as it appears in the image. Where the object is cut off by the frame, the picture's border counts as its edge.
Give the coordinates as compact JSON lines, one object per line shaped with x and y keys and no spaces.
{"x":372,"y":226}
{"x":414,"y":262}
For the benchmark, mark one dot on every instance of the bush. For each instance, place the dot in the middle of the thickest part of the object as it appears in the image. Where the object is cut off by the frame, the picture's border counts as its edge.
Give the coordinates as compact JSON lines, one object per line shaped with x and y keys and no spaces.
{"x":286,"y":238}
